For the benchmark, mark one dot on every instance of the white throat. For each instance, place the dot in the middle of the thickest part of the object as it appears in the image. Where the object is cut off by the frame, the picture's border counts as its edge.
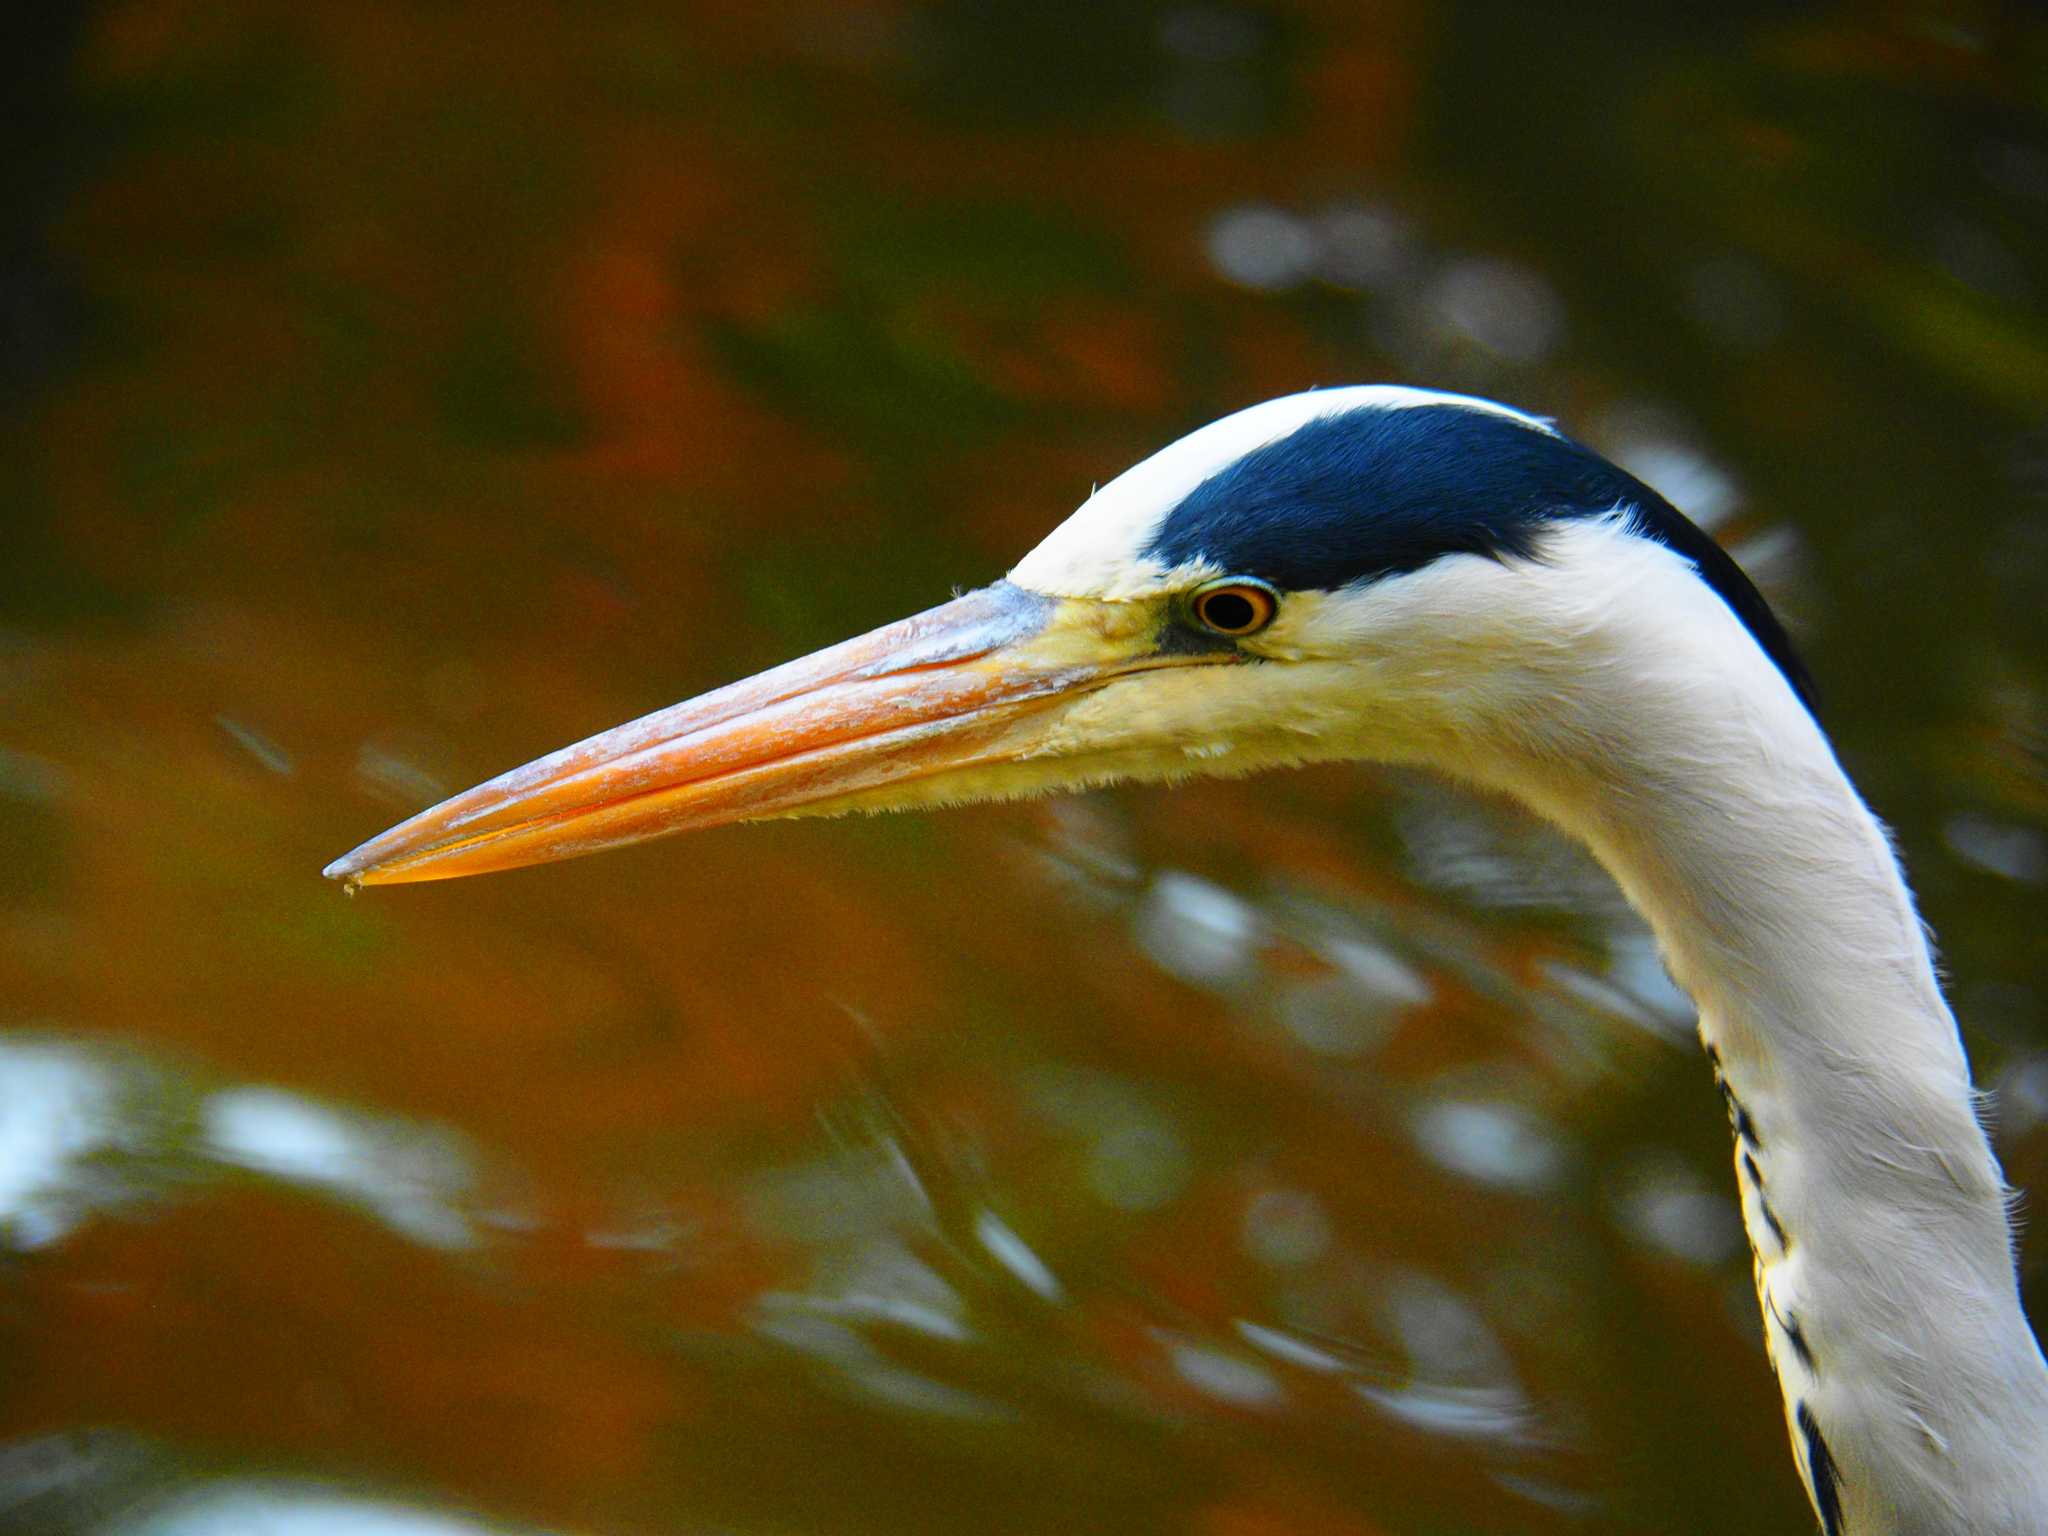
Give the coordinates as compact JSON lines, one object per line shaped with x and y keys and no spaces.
{"x":1915,"y":1393}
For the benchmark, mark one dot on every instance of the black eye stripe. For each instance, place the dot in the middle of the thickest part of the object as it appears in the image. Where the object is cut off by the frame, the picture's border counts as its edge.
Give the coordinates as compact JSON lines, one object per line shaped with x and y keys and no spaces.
{"x":1353,"y":497}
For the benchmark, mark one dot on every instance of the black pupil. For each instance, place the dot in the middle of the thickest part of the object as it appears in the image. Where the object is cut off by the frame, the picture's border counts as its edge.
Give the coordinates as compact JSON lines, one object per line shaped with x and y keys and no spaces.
{"x":1231,"y":611}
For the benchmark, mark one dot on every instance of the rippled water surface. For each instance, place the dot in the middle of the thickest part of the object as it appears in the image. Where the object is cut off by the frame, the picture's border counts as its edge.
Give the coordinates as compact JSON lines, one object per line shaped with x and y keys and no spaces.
{"x":397,"y":392}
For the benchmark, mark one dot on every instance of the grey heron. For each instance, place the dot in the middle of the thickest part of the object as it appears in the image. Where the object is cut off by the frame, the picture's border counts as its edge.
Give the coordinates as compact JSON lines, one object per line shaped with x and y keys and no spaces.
{"x":1413,"y":577}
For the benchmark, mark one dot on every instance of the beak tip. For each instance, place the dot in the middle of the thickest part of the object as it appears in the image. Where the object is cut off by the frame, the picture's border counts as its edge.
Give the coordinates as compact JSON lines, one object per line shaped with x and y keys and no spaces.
{"x":348,"y":869}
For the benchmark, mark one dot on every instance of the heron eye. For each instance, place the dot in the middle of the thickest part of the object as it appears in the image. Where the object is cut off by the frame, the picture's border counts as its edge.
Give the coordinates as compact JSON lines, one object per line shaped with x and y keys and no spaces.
{"x":1235,"y":606}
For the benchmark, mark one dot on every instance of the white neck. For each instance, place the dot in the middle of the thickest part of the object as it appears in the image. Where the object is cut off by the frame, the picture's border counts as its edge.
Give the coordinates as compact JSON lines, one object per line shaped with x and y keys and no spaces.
{"x":1916,"y":1395}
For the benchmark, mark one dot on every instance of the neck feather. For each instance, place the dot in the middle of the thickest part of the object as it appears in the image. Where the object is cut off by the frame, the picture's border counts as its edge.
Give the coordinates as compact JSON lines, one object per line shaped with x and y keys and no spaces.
{"x":1914,"y":1390}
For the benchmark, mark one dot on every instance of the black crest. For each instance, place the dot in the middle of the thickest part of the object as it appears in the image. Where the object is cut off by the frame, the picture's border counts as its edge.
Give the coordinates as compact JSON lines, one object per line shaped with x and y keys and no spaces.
{"x":1350,"y":498}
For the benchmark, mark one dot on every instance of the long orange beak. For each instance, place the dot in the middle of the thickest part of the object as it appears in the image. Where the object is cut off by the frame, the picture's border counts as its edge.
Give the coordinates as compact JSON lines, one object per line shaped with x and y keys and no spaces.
{"x":860,"y":724}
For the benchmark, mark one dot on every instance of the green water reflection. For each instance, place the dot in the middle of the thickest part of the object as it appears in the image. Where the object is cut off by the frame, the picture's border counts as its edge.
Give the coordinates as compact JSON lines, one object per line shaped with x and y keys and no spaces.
{"x":402,"y":391}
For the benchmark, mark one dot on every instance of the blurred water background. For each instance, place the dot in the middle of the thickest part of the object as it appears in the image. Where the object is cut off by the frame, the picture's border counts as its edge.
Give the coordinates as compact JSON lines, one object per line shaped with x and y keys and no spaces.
{"x":391,"y":392}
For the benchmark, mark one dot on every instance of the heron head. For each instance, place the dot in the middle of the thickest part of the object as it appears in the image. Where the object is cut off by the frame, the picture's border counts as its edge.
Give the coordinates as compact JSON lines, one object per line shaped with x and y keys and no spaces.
{"x":1373,"y":572}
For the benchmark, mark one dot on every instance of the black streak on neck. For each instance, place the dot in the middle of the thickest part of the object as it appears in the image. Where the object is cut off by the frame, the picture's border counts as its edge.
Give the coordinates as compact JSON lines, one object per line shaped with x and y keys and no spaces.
{"x":1821,"y":1469}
